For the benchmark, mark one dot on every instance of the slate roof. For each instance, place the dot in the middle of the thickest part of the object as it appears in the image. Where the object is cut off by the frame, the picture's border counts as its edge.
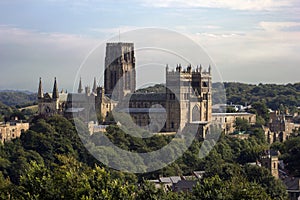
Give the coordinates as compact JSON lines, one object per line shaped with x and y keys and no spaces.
{"x":292,"y":183}
{"x":184,"y":185}
{"x":74,"y":110}
{"x":148,"y":97}
{"x":171,"y":179}
{"x":143,"y":110}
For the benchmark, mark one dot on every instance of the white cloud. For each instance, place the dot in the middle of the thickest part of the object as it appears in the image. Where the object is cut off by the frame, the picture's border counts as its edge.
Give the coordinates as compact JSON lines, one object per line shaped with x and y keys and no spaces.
{"x":268,"y":54}
{"x":114,"y":31}
{"x":278,"y":26}
{"x":26,"y":55}
{"x":230,"y":4}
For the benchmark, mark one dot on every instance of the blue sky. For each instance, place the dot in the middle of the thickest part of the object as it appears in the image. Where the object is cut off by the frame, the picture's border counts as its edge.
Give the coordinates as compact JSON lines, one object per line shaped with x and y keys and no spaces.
{"x":249,"y":41}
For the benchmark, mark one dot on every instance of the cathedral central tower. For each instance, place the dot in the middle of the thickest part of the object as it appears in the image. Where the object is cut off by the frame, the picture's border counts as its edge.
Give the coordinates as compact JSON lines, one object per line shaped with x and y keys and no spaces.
{"x":119,"y":66}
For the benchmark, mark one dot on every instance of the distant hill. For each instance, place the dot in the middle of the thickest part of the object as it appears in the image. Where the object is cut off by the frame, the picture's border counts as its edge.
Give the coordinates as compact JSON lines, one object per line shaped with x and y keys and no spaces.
{"x":17,"y":98}
{"x":23,"y":91}
{"x":272,"y":94}
{"x":158,"y":88}
{"x":241,"y":93}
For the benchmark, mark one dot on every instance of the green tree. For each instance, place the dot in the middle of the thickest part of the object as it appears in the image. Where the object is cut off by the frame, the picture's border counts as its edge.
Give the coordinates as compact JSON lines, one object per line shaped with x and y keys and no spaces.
{"x":242,"y":124}
{"x":261,"y":109}
{"x":291,"y":155}
{"x":262,"y":176}
{"x":5,"y":187}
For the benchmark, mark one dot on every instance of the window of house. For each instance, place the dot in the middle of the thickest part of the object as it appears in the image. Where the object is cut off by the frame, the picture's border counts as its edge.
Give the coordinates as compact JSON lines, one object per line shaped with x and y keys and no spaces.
{"x":172,"y":124}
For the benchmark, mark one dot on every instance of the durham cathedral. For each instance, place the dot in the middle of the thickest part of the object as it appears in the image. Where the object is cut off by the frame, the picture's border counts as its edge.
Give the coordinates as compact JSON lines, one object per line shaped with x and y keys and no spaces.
{"x":186,"y":99}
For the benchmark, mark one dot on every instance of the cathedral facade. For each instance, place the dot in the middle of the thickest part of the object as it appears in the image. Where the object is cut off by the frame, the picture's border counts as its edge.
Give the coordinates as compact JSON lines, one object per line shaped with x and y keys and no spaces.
{"x":186,"y":99}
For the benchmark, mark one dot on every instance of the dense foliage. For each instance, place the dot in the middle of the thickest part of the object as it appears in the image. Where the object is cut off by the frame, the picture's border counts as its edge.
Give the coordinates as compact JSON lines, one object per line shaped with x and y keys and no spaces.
{"x":50,"y":162}
{"x":272,"y":94}
{"x":8,"y":113}
{"x":17,"y":98}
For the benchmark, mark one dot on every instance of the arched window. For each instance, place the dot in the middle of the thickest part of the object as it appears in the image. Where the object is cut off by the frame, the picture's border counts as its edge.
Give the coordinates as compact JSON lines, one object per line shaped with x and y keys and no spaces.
{"x":196,"y":113}
{"x":172,"y":124}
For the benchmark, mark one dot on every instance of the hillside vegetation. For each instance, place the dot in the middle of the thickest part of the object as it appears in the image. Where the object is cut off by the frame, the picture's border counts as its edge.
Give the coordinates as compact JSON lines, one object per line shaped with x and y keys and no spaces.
{"x":272,"y":95}
{"x":17,"y":98}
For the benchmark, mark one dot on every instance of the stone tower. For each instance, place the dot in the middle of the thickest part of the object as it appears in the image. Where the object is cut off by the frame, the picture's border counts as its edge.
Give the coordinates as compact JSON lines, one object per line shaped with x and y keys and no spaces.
{"x":119,"y":67}
{"x":270,"y":161}
{"x":48,"y":103}
{"x":189,"y":98}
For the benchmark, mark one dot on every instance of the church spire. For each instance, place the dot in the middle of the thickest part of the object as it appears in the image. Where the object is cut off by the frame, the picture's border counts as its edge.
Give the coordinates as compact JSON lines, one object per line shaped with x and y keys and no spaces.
{"x":80,"y":87}
{"x":40,"y":90}
{"x":94,"y":86}
{"x":55,"y":90}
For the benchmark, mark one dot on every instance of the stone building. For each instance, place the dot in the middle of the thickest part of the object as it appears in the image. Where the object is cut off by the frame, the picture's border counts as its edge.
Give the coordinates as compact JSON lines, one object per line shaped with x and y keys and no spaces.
{"x":11,"y":130}
{"x":280,"y":127}
{"x":187,"y":98}
{"x":227,"y":120}
{"x":51,"y":103}
{"x":270,"y":161}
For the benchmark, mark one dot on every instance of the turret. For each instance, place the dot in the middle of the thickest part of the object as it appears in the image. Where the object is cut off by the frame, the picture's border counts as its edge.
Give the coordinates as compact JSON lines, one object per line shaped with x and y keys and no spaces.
{"x":55,"y":94}
{"x":87,"y":90}
{"x":40,"y":90}
{"x":94,"y":90}
{"x":100,"y":92}
{"x":80,"y":87}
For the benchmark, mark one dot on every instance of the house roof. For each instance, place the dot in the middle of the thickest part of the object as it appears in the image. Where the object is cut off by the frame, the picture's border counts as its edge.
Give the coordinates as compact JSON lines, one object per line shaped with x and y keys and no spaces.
{"x":292,"y":183}
{"x":171,"y":179}
{"x":232,"y":114}
{"x":74,"y":110}
{"x":143,"y":110}
{"x":148,"y":97}
{"x":184,"y":185}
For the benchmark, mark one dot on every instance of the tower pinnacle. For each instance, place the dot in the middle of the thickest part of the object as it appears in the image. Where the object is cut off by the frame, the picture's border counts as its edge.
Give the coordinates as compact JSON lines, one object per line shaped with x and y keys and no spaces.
{"x":55,"y":94}
{"x":40,"y":90}
{"x":80,"y":87}
{"x":94,"y":90}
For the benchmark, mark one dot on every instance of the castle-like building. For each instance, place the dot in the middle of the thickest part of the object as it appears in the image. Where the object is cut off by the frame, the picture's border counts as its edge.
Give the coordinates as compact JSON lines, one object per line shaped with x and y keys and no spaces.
{"x":187,"y":98}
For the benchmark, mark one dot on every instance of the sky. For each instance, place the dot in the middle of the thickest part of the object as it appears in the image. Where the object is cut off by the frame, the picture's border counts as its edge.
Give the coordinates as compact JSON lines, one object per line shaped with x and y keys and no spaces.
{"x":249,"y":41}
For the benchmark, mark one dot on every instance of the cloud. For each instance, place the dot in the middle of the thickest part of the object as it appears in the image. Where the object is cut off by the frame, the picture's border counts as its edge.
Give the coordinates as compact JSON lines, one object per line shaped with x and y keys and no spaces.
{"x":113,"y":31}
{"x":26,"y":55}
{"x":257,"y":5}
{"x":278,"y":26}
{"x":266,"y":54}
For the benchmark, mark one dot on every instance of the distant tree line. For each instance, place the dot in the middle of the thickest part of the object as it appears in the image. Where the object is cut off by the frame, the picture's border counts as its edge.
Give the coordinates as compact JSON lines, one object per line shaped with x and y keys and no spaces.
{"x":18,"y":98}
{"x":272,"y":95}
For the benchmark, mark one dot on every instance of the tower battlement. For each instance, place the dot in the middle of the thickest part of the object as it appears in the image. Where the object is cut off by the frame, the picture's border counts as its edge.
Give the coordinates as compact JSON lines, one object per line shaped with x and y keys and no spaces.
{"x":188,"y":70}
